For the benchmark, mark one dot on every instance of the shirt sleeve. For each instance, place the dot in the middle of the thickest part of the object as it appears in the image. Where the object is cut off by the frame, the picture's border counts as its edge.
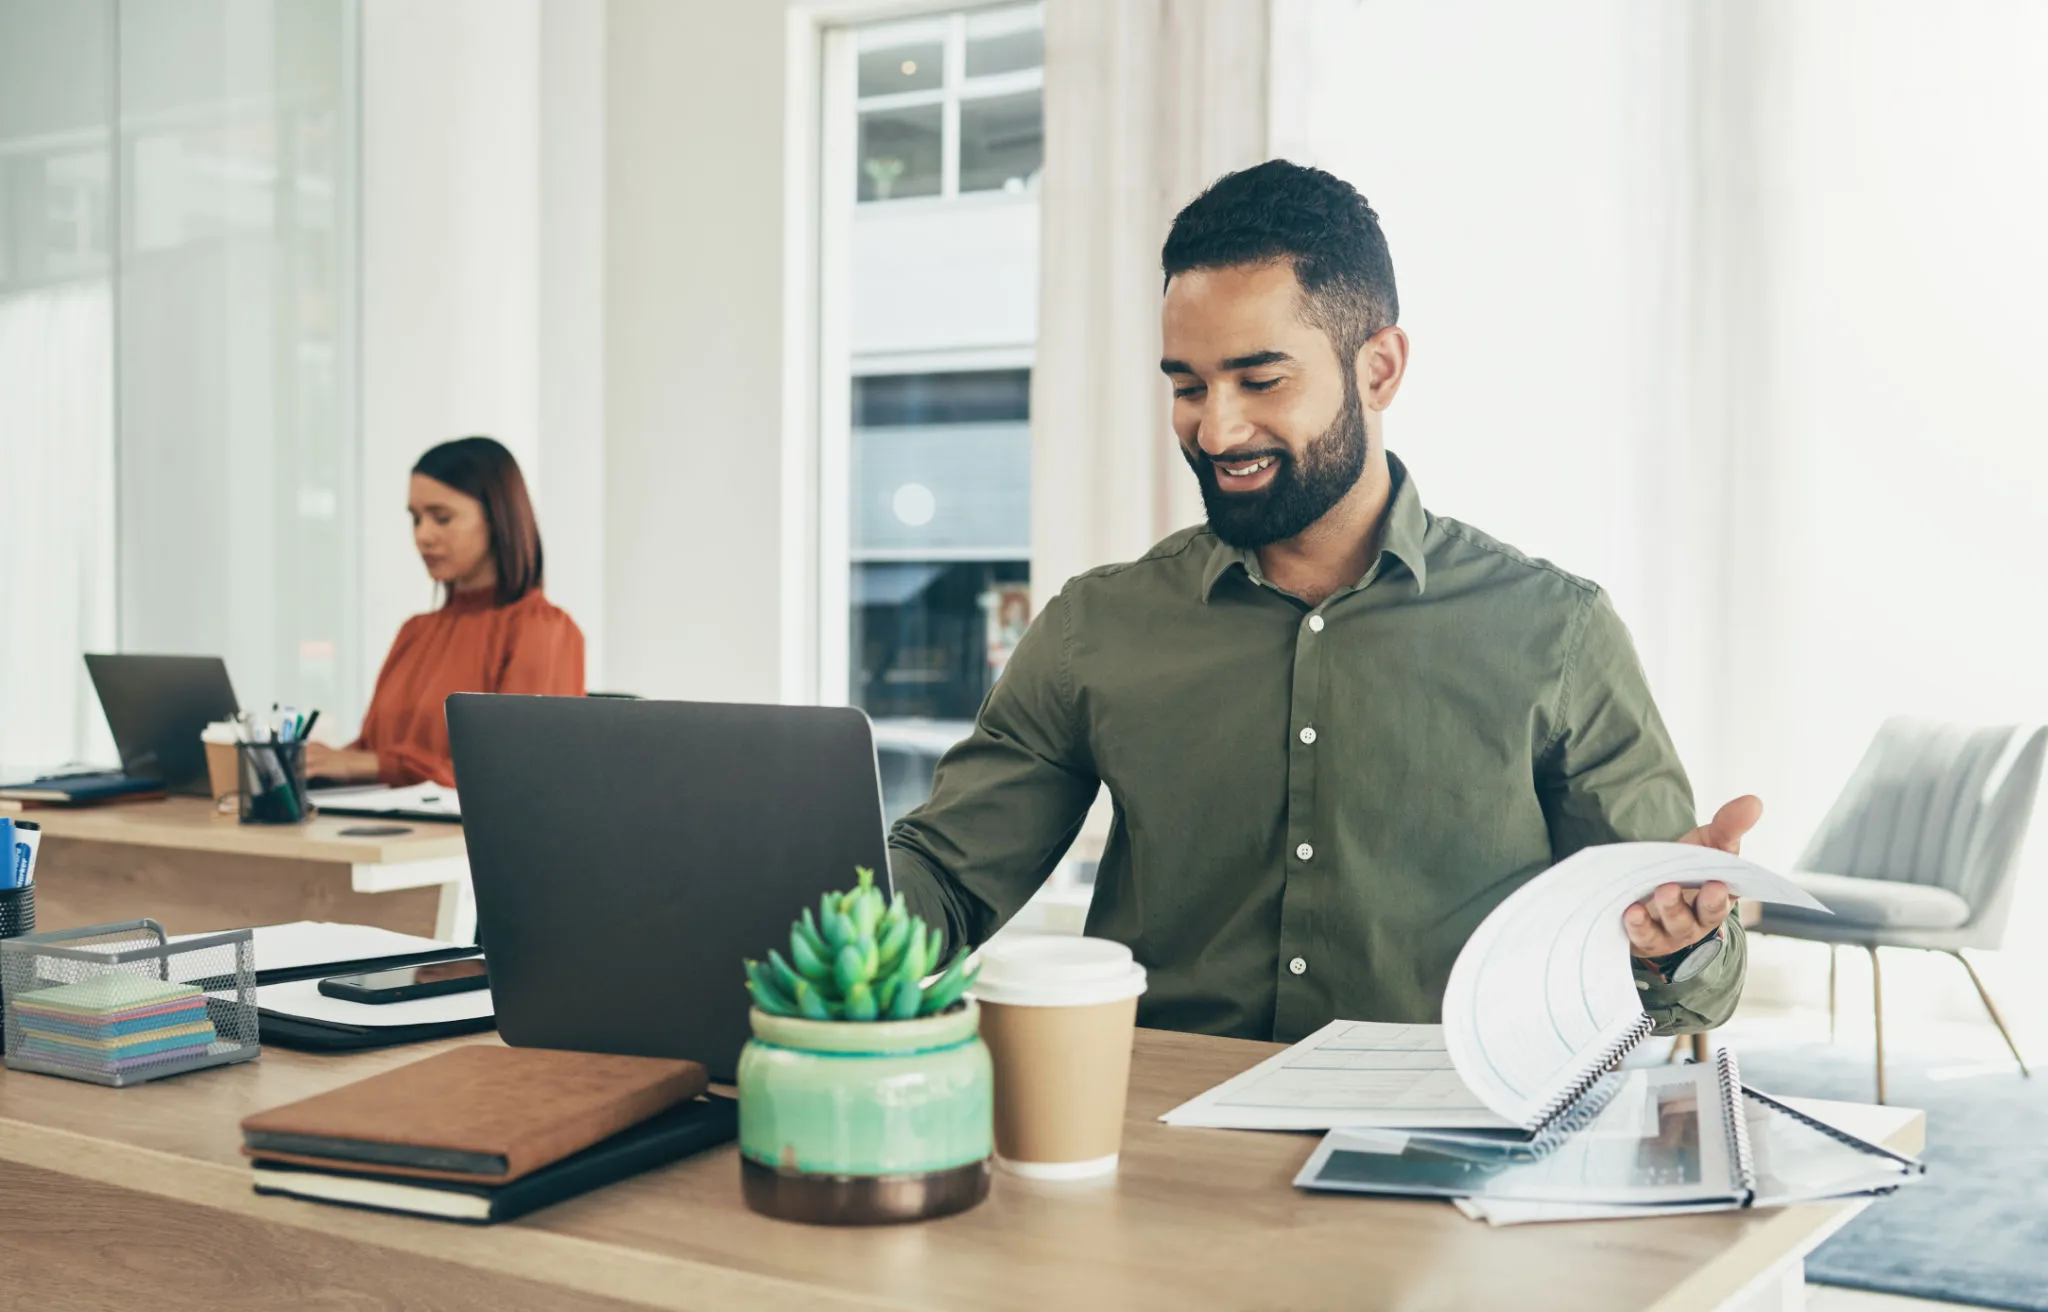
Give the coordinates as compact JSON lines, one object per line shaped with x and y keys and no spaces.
{"x":1707,"y":999}
{"x":1007,"y":801}
{"x":1611,"y":775}
{"x":544,"y":656}
{"x":405,"y":764}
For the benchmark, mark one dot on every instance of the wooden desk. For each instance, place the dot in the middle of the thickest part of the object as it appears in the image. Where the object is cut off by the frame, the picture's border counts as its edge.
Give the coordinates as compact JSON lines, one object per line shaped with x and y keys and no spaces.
{"x":180,"y":862}
{"x":138,"y":1197}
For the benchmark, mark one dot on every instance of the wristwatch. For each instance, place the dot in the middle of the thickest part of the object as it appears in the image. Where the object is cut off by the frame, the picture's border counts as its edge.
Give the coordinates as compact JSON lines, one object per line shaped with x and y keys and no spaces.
{"x":1686,"y":963}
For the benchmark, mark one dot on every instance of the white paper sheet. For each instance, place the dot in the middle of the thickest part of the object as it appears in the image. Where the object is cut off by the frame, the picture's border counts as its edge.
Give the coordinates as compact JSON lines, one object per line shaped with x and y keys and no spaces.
{"x":1351,"y":1074}
{"x":1545,"y":982}
{"x":417,"y":799}
{"x":304,"y":999}
{"x":316,"y":942}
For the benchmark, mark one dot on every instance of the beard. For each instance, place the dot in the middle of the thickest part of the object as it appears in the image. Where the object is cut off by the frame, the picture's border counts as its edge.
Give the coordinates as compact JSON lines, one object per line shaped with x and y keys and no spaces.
{"x":1301,"y":491}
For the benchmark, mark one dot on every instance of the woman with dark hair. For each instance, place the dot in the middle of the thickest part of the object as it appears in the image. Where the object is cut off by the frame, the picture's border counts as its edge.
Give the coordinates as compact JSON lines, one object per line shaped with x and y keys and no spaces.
{"x":494,"y":631}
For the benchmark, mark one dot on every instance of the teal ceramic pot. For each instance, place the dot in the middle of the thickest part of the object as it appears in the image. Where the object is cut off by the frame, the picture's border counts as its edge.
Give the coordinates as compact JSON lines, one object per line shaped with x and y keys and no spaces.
{"x":866,"y":1123}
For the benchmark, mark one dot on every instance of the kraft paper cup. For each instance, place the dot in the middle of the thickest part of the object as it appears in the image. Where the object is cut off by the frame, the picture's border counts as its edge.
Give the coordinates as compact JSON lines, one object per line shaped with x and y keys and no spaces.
{"x":221,"y":770}
{"x":1057,"y":1015}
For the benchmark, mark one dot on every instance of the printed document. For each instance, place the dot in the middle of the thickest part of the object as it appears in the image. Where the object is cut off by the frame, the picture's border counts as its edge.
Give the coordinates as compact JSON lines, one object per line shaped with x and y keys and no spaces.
{"x":1350,"y":1074}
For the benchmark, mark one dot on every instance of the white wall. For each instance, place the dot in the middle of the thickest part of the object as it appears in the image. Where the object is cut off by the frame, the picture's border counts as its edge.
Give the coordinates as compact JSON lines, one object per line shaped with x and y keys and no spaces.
{"x":483,"y":279}
{"x":1732,"y":305}
{"x":451,"y":250}
{"x":569,"y":487}
{"x":693,"y":327}
{"x":1894,"y":169}
{"x":1531,"y":169}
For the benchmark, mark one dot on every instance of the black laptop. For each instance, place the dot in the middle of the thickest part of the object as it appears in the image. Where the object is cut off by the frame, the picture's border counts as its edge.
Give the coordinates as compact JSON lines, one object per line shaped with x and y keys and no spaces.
{"x":628,"y":856}
{"x":156,"y":707}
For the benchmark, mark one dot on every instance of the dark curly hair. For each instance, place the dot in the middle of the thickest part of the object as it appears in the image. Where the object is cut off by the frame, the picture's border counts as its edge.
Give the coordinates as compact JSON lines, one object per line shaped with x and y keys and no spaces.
{"x":1284,"y":211}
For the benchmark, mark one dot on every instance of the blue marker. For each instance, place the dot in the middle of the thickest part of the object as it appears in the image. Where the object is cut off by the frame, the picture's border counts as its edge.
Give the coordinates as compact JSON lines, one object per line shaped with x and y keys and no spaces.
{"x":9,"y":865}
{"x":28,"y":838}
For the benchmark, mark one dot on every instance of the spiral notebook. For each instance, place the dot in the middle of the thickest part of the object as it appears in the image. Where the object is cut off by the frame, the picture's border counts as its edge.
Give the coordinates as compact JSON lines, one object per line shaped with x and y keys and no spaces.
{"x":1794,"y":1158}
{"x":1652,"y":1139}
{"x":1541,"y":1003}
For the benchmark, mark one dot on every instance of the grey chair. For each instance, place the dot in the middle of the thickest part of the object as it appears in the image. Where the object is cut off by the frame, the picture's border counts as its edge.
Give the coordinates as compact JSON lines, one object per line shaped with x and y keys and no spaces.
{"x":1921,"y":850}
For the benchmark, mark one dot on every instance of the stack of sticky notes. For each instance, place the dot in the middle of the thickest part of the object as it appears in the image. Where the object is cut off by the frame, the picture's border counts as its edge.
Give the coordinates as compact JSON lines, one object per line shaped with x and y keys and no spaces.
{"x":113,"y":1023}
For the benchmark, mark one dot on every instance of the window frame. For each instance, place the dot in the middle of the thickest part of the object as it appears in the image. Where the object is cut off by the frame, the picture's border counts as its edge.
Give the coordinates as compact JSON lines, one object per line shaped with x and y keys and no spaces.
{"x":820,"y":150}
{"x":954,"y":88}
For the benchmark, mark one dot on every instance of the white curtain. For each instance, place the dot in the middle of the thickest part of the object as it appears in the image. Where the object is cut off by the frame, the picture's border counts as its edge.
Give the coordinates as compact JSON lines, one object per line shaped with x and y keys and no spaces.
{"x":56,"y":522}
{"x":1736,"y":307}
{"x":1146,"y":103}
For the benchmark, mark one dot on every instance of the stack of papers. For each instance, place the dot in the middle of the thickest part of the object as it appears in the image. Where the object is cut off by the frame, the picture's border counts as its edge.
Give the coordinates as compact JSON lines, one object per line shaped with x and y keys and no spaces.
{"x":1514,"y":1104}
{"x":413,"y":802}
{"x":1348,"y":1074}
{"x":113,"y":1023}
{"x":1799,"y":1159}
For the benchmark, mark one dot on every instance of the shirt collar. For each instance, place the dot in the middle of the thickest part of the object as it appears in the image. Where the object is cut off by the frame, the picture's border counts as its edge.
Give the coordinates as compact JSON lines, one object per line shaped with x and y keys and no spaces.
{"x":1406,"y":527}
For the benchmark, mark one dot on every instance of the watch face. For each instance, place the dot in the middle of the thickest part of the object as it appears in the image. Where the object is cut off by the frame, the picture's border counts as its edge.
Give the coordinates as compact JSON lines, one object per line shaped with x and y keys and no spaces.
{"x":1698,"y":958}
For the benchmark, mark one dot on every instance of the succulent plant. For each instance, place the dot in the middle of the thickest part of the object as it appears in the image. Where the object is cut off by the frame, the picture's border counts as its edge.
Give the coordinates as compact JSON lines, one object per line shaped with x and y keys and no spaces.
{"x":861,"y":959}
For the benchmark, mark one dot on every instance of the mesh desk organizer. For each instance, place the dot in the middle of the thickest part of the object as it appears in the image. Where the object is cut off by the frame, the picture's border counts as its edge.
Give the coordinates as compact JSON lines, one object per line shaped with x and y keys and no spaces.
{"x":120,"y":1004}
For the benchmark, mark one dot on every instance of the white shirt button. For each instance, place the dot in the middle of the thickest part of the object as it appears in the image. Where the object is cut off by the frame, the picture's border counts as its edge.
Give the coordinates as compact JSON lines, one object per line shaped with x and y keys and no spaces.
{"x":1315,"y":624}
{"x":1305,"y":852}
{"x":1308,"y":735}
{"x":1297,"y":967}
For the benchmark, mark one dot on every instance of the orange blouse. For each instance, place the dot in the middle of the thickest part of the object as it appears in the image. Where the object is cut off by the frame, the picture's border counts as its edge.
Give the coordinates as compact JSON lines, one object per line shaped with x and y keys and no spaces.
{"x":469,"y":645}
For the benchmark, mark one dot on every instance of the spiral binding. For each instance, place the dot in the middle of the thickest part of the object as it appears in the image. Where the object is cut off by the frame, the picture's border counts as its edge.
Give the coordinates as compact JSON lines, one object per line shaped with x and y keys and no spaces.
{"x":1832,"y":1132}
{"x":1734,"y":1114}
{"x":1583,"y":1112}
{"x":1567,"y":1101}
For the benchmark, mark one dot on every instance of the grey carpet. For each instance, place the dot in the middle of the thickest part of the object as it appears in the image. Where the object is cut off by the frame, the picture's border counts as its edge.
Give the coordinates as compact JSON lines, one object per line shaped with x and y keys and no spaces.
{"x":1976,"y":1229}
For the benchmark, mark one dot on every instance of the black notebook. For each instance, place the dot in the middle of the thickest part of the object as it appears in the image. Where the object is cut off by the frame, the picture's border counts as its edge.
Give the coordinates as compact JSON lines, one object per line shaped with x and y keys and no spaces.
{"x":76,"y":789}
{"x":679,"y":1132}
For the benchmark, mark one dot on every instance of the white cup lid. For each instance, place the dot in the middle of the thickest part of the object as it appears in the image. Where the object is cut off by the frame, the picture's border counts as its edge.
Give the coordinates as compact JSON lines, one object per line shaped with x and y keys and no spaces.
{"x":1057,"y":971}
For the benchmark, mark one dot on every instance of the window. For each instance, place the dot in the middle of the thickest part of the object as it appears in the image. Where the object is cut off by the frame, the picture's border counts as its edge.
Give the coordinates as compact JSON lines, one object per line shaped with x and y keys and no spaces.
{"x":941,"y":526}
{"x":177,"y":339}
{"x":927,"y":447}
{"x":951,"y":105}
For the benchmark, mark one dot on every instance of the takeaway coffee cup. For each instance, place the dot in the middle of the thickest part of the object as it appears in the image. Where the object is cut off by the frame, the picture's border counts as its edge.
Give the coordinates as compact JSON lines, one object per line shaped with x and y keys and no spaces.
{"x":222,"y":771}
{"x":1057,"y":1015}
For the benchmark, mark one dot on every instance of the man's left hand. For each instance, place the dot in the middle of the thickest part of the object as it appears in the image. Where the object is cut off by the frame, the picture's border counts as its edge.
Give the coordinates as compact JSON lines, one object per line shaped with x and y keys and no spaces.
{"x":1673,"y":917}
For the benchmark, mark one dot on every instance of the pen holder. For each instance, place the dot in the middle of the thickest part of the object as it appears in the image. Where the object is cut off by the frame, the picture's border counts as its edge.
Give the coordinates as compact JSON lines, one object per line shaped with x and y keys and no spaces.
{"x":120,"y":1004}
{"x":17,"y":911}
{"x":273,"y":783}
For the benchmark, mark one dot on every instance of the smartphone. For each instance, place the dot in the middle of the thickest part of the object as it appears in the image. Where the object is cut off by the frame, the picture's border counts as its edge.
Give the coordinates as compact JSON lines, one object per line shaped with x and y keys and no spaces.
{"x":408,"y":982}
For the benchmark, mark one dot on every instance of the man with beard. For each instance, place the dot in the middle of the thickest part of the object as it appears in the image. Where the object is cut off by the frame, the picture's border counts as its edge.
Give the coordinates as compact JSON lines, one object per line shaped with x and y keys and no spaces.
{"x":1337,"y":729}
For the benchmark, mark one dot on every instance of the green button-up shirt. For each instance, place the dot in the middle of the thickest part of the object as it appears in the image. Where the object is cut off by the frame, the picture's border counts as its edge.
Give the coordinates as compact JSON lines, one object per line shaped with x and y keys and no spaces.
{"x":1314,"y":805}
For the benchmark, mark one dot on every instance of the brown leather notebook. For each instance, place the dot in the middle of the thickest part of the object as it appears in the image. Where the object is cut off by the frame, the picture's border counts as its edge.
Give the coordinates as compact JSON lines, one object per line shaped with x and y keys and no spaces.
{"x":481,"y":1114}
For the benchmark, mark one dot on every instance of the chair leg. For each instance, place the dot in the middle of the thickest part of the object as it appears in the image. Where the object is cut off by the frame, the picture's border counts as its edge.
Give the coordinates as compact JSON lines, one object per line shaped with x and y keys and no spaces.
{"x":1989,"y":1006}
{"x":1877,"y":1016}
{"x":1834,"y":961}
{"x":1699,"y":1047}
